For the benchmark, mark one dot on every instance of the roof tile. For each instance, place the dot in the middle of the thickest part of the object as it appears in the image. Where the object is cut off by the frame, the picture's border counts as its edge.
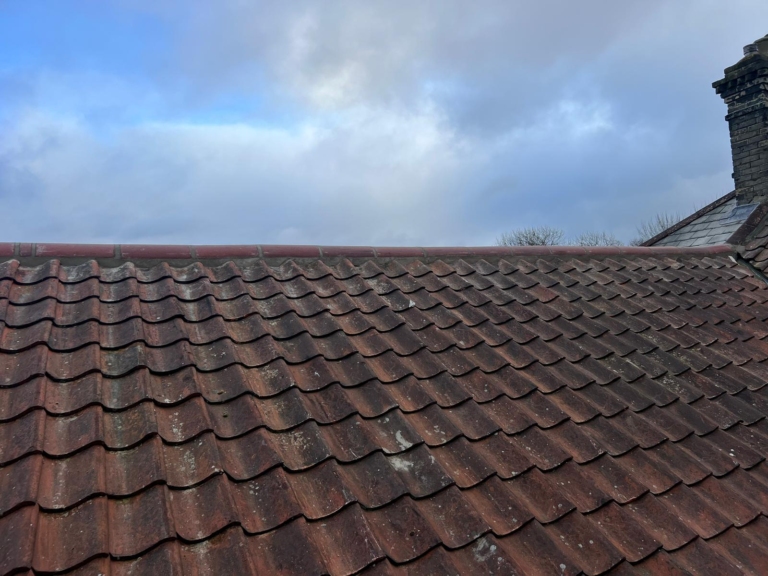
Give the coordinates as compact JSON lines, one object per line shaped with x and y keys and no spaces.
{"x":331,"y":415}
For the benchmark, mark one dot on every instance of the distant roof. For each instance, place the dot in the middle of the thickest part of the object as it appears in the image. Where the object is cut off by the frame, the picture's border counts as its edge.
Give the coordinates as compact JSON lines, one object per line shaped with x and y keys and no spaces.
{"x":726,"y":220}
{"x":305,"y":410}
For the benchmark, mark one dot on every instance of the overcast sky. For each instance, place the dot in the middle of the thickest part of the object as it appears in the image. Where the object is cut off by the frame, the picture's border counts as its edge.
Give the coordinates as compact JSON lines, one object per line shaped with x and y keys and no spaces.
{"x":376,"y":122}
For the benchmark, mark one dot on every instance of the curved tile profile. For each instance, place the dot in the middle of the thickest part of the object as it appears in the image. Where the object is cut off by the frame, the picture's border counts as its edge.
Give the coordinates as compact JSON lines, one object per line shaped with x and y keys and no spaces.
{"x":521,"y":413}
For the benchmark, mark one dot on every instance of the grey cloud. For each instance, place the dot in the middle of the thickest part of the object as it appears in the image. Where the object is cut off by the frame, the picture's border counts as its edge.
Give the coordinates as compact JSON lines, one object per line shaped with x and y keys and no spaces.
{"x":364,"y":179}
{"x":411,"y":122}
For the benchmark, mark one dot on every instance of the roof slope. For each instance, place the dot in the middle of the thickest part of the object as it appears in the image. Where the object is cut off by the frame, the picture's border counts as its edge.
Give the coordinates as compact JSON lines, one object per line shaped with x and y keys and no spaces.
{"x":518,"y":414}
{"x":728,"y":219}
{"x":756,"y":249}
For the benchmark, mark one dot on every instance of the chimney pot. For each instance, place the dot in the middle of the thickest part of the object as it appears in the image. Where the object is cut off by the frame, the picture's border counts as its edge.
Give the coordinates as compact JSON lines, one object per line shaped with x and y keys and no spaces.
{"x":750,"y":49}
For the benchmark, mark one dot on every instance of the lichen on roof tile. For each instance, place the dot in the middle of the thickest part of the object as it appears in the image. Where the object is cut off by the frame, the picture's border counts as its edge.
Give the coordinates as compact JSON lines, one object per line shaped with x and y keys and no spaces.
{"x":334,"y":416}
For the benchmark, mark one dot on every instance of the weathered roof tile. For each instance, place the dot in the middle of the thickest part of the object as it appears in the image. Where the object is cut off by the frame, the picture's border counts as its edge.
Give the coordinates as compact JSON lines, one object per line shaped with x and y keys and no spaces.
{"x":573,"y":412}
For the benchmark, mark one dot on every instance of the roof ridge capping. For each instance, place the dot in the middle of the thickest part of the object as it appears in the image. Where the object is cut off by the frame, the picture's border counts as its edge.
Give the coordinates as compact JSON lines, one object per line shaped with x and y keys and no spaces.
{"x":247,"y":251}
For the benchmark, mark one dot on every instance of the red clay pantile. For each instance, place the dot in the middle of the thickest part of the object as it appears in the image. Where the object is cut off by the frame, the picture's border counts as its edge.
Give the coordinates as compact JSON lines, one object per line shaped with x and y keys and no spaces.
{"x":303,"y":410}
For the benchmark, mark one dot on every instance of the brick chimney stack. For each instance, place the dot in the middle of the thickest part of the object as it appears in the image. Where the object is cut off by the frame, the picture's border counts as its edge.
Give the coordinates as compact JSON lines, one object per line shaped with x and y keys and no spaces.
{"x":745,"y":91}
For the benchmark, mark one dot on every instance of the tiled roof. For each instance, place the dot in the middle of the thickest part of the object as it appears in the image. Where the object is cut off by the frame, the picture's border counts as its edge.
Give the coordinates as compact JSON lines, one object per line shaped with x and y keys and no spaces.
{"x":505,"y":411}
{"x":756,"y":249}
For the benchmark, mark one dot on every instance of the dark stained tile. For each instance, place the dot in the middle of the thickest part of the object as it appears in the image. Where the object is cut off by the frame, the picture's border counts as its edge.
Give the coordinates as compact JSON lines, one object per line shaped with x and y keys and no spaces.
{"x":375,"y":482}
{"x":498,"y":506}
{"x":266,"y":502}
{"x":609,"y":436}
{"x":539,"y":495}
{"x":301,"y":447}
{"x":203,"y":510}
{"x":419,"y":471}
{"x":621,"y":529}
{"x":536,"y":552}
{"x":749,"y":485}
{"x":401,"y":530}
{"x":730,"y":503}
{"x":577,"y":487}
{"x":742,"y":453}
{"x":19,"y":483}
{"x":575,"y":442}
{"x":56,"y":550}
{"x":508,"y":414}
{"x":506,"y":456}
{"x":541,"y":449}
{"x":606,"y":474}
{"x":679,"y":461}
{"x":653,"y":474}
{"x":188,"y":463}
{"x":691,"y":506}
{"x":321,"y":490}
{"x":701,"y":558}
{"x":485,"y":556}
{"x":22,"y":436}
{"x":66,"y":481}
{"x":586,"y":545}
{"x":140,"y":522}
{"x":131,"y":470}
{"x":464,"y":465}
{"x":17,"y":539}
{"x":715,"y":460}
{"x":163,"y":559}
{"x":224,"y":553}
{"x":346,"y":541}
{"x":745,"y":548}
{"x":659,"y":563}
{"x":452,"y":517}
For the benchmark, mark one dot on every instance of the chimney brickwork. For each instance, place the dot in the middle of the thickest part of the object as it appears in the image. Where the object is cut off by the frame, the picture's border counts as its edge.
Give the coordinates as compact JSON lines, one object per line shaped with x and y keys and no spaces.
{"x":745,"y":91}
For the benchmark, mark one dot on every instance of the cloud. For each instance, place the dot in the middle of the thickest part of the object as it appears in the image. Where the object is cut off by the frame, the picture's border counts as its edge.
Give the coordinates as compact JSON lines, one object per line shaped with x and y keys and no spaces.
{"x":390,"y":179}
{"x":393,"y":122}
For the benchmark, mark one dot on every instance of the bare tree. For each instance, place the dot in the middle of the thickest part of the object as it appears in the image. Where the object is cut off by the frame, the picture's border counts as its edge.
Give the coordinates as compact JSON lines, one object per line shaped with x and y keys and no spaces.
{"x":539,"y":236}
{"x":597,"y":239}
{"x":656,"y":225}
{"x":548,"y":236}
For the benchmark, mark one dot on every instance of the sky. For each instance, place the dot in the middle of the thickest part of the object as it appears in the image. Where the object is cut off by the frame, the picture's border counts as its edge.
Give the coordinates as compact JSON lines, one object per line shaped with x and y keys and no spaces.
{"x":384,"y":122}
